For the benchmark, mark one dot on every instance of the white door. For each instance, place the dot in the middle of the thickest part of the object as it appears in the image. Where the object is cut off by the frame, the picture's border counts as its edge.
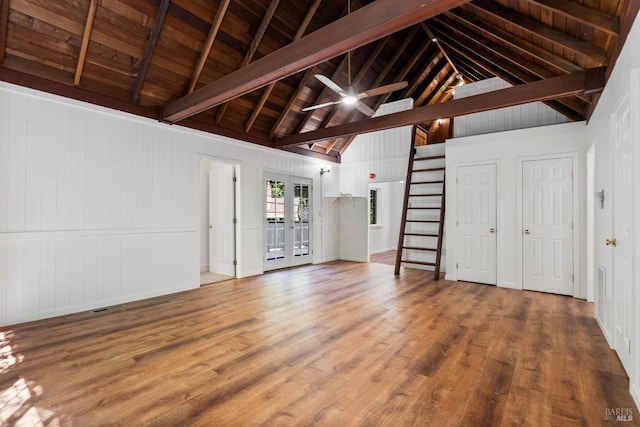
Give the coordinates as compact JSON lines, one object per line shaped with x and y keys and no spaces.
{"x":547,"y":225}
{"x":287,"y":221}
{"x":476,"y":221}
{"x":221,"y":220}
{"x":623,"y":201}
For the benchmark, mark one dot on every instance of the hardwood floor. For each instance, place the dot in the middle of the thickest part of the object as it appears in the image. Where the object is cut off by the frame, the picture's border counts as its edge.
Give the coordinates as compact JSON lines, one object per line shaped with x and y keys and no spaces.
{"x":333,"y":344}
{"x":388,"y":257}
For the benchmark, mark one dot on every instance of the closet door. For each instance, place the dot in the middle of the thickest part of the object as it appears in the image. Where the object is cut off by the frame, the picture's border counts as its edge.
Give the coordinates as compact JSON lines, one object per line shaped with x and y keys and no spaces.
{"x":476,"y":222}
{"x":547,"y":225}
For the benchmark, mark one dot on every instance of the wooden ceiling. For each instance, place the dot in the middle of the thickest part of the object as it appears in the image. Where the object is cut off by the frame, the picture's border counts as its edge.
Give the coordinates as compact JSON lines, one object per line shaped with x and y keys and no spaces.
{"x":245,"y":68}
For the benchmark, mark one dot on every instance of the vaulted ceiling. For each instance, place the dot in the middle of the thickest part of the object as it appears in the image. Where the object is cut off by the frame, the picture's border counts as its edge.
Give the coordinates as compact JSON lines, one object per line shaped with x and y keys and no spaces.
{"x":245,"y":68}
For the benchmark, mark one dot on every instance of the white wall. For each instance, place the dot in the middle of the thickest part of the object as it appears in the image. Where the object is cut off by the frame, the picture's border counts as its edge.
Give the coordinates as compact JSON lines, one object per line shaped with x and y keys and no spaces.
{"x":511,"y":118}
{"x":624,"y":78}
{"x":384,"y":236}
{"x":353,"y":228}
{"x":99,"y":207}
{"x":507,"y":150}
{"x":384,"y":153}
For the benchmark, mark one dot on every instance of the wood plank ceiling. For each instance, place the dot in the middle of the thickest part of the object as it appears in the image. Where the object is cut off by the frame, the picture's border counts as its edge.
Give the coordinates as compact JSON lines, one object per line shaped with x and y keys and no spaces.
{"x":152,"y":57}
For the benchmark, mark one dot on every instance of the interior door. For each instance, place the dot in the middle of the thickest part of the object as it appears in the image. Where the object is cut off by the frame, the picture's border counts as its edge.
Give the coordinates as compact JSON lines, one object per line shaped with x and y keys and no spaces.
{"x":221,"y":220}
{"x":476,"y":220}
{"x":547,"y":222}
{"x":287,"y":221}
{"x":623,"y":202}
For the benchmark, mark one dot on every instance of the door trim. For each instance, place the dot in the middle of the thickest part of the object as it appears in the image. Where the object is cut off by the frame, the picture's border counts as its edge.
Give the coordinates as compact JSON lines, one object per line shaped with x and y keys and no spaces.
{"x":579,"y":288}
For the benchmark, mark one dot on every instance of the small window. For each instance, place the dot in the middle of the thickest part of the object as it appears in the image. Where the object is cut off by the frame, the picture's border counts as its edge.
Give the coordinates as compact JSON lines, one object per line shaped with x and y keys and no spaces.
{"x":373,"y":206}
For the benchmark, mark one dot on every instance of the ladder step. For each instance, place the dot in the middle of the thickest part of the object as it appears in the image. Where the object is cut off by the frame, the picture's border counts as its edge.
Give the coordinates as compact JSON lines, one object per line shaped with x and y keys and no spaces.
{"x":416,"y":248}
{"x":421,"y":234}
{"x":428,"y":170}
{"x":408,"y":261}
{"x":418,"y":159}
{"x":424,"y":220}
{"x":426,"y":182}
{"x":426,"y":195}
{"x":423,"y":207}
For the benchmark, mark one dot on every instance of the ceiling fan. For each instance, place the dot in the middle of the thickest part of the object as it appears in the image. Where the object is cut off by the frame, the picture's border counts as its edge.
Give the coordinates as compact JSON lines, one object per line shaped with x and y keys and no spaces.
{"x":351,"y":96}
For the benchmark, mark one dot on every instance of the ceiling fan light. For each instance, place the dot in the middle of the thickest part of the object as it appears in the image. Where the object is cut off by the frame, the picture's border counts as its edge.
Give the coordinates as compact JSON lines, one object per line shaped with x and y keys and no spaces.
{"x":349,"y":99}
{"x":351,"y":96}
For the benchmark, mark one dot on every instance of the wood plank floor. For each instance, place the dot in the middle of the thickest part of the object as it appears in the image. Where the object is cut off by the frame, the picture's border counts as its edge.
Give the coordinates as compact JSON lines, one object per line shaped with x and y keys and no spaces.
{"x":334,"y":344}
{"x":388,"y":257}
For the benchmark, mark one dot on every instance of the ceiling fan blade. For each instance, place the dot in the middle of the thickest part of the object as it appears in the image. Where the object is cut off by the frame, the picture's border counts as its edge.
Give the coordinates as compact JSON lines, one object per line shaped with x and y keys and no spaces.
{"x":383,"y":89}
{"x":330,"y":84}
{"x":326,"y":104}
{"x":364,"y":109}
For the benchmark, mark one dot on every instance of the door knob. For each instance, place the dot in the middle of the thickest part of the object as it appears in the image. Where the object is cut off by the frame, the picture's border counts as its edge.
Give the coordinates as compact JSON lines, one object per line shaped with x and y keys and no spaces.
{"x":492,"y":230}
{"x":210,"y":226}
{"x":526,"y":231}
{"x":611,"y":242}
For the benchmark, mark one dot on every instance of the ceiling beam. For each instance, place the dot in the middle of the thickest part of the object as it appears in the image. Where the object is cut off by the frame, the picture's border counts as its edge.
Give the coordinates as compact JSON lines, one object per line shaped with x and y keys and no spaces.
{"x":466,"y":37}
{"x":324,"y":94}
{"x":470,"y":71}
{"x":253,"y":48}
{"x":589,"y":81}
{"x":435,"y":40}
{"x":151,"y":47}
{"x":537,"y":28}
{"x":525,"y":47}
{"x":429,"y":75}
{"x":325,"y":90}
{"x":367,"y":24}
{"x":509,"y":73}
{"x":303,"y":83}
{"x":86,"y":37}
{"x":627,"y":18}
{"x":4,"y":28}
{"x":381,"y":76}
{"x":585,"y":15}
{"x":437,"y":87}
{"x":314,"y":154}
{"x":440,"y":94}
{"x":267,"y":92}
{"x":415,"y":57}
{"x":208,"y":44}
{"x":358,"y":79}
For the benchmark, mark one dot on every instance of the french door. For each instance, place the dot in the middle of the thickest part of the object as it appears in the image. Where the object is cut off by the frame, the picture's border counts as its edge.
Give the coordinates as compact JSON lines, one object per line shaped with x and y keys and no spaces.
{"x":547,"y":225}
{"x":287,"y":221}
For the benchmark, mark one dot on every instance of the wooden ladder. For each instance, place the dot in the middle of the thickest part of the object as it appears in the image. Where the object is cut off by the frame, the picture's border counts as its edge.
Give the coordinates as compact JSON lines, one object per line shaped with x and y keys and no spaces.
{"x":413,"y":225}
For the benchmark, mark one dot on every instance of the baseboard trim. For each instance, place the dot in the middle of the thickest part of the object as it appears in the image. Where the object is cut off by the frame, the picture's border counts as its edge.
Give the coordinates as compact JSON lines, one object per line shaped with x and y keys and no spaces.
{"x":79,"y":308}
{"x":379,"y":251}
{"x":635,"y":394}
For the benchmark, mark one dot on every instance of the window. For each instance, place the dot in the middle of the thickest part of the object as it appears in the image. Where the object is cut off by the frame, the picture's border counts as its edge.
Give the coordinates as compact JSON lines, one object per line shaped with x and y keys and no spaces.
{"x":373,"y":206}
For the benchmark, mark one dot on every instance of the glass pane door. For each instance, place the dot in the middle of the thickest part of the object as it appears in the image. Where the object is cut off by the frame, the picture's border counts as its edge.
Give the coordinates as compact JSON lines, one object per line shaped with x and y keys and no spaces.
{"x":275,"y":237}
{"x":288,"y":221}
{"x":301,"y":219}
